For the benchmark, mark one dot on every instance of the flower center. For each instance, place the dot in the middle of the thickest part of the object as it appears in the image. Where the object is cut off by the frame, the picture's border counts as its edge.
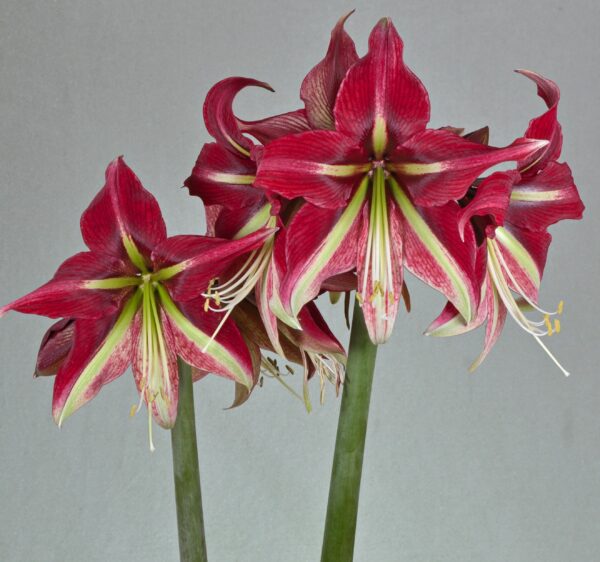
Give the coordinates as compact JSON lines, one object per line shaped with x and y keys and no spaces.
{"x":378,"y":278}
{"x":154,"y":384}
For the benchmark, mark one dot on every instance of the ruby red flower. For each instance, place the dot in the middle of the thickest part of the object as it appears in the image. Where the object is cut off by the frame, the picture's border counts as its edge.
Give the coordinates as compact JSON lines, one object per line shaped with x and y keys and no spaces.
{"x":381,"y":188}
{"x":135,"y":298}
{"x":512,"y":212}
{"x":223,"y":178}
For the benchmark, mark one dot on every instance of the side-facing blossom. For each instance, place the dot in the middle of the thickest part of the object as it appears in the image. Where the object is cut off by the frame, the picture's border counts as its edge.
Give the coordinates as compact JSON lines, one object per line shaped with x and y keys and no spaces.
{"x":511,"y":212}
{"x":135,"y":298}
{"x":223,"y":178}
{"x":381,"y":191}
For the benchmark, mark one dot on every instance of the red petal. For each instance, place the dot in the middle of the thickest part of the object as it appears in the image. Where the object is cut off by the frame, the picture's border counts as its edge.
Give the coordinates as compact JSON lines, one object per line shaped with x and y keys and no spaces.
{"x":67,"y":294}
{"x":122,"y":209}
{"x":307,"y":235}
{"x":440,"y":258}
{"x":439,"y":166}
{"x":267,"y":288}
{"x":380,"y":310}
{"x":163,"y":403}
{"x":89,"y":337}
{"x":546,"y":126}
{"x":491,"y":198}
{"x":496,"y":316}
{"x":199,"y":259}
{"x":56,"y":345}
{"x":321,"y":84}
{"x":229,"y":222}
{"x":229,"y":338}
{"x":320,"y":166}
{"x":315,"y":334}
{"x":223,"y":178}
{"x":271,"y":128}
{"x":548,"y":197}
{"x":380,"y":88}
{"x":534,"y":249}
{"x":220,"y":121}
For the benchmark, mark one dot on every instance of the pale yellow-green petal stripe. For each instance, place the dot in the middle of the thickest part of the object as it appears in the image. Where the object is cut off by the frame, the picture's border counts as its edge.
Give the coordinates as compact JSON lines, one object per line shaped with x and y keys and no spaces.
{"x":417,"y":168}
{"x":519,"y":253}
{"x":342,"y":170}
{"x":198,"y":337}
{"x":533,"y":195}
{"x":112,"y":283}
{"x":259,"y":220}
{"x":435,"y":249}
{"x":453,"y":327}
{"x":238,"y":179}
{"x":331,"y":245}
{"x":134,"y":254}
{"x":99,"y":361}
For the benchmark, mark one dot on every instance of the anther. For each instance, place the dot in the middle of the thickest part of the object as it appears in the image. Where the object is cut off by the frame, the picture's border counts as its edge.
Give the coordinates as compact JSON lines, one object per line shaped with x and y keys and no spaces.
{"x":548,"y":325}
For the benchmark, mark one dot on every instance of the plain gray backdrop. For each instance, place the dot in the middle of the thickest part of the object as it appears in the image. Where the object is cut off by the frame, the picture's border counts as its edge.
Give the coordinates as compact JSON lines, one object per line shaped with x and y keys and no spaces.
{"x":500,"y":465}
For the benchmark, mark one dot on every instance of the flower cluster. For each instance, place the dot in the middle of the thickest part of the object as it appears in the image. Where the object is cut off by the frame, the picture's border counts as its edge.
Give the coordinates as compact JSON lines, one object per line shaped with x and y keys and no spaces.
{"x":340,"y":195}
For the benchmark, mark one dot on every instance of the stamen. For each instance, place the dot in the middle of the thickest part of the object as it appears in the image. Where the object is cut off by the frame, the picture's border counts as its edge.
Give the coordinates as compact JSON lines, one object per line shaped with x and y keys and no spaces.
{"x":234,"y":291}
{"x":496,"y":269}
{"x":548,"y":325}
{"x":521,"y":292}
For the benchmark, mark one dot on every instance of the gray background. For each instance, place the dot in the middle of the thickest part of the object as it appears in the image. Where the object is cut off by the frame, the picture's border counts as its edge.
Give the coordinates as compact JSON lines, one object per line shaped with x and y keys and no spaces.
{"x":501,"y":465}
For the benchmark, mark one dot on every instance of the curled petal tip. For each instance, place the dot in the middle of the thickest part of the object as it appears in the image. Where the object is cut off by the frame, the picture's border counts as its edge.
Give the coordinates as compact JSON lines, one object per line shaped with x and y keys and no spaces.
{"x":266,"y":86}
{"x":345,"y":17}
{"x":385,"y":22}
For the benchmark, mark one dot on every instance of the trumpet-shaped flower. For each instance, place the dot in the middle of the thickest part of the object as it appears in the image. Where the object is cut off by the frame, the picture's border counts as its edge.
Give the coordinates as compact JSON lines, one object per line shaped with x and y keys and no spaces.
{"x":135,"y":298}
{"x":511,"y":212}
{"x":380,"y":187}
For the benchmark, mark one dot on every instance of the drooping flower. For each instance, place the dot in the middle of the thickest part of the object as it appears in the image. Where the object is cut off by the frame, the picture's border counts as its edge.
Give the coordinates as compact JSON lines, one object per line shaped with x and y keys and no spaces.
{"x":314,"y":347}
{"x":381,"y":191}
{"x":135,"y":298}
{"x":511,"y":212}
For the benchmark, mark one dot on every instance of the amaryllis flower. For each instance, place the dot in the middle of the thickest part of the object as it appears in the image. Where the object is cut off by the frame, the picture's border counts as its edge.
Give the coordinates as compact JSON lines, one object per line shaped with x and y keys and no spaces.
{"x":223,"y":178}
{"x":135,"y":298}
{"x":511,"y":212}
{"x":381,"y":190}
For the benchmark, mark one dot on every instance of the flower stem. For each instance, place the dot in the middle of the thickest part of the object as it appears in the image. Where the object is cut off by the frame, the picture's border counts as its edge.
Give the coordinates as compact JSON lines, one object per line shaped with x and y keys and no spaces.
{"x":342,"y":508}
{"x":190,"y":522}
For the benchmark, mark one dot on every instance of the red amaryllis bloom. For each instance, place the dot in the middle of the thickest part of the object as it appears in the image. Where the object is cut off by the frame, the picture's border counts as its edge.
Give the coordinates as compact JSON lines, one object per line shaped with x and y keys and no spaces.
{"x":381,"y":190}
{"x":511,"y":212}
{"x":222,"y":178}
{"x":135,"y":297}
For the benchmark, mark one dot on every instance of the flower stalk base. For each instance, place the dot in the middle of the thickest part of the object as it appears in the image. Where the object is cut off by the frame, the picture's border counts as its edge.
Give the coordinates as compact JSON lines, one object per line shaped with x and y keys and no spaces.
{"x":190,"y":522}
{"x":342,"y":507}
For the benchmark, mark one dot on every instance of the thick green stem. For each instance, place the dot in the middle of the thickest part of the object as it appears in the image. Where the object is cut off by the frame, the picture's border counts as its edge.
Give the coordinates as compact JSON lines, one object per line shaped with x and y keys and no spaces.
{"x":342,"y":508}
{"x":190,"y":523}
